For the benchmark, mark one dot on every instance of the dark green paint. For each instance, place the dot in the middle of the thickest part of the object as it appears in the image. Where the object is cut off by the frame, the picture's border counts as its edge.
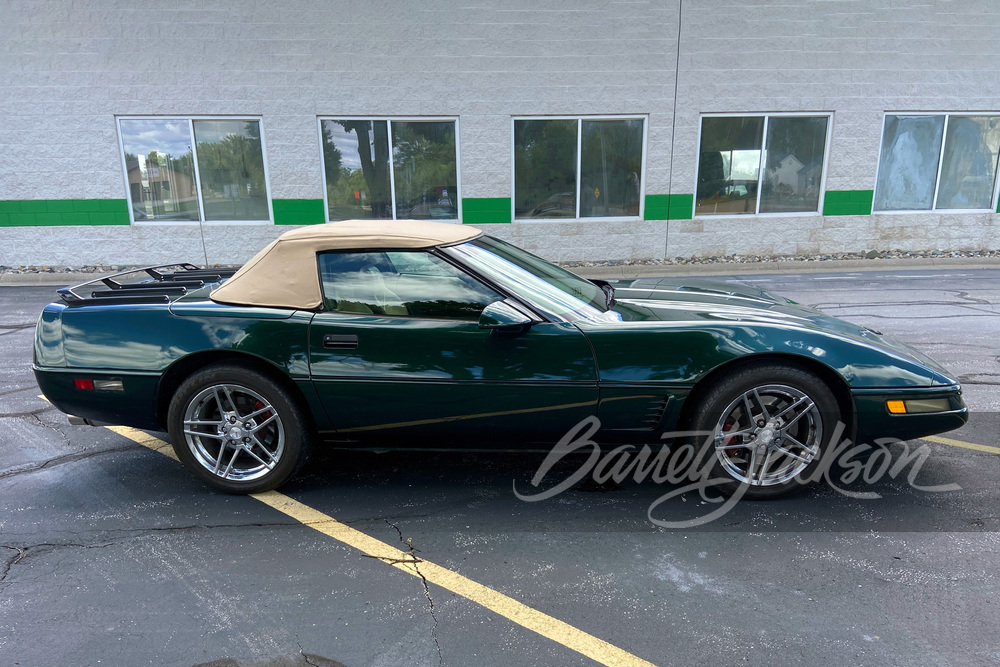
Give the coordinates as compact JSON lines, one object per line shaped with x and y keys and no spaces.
{"x":298,"y":211}
{"x":701,"y":325}
{"x":485,"y":210}
{"x":411,"y":378}
{"x":466,"y":378}
{"x":636,"y":408}
{"x":876,"y":422}
{"x":136,"y":341}
{"x":668,"y":207}
{"x":848,"y":202}
{"x":63,"y":212}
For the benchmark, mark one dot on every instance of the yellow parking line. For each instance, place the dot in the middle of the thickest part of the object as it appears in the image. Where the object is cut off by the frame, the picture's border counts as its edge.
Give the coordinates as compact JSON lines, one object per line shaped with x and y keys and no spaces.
{"x":965,"y":445}
{"x":145,"y":440}
{"x":525,"y":616}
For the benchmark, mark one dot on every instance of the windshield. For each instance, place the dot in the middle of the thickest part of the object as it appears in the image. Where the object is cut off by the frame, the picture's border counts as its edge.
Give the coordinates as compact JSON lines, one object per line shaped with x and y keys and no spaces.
{"x":554,"y":291}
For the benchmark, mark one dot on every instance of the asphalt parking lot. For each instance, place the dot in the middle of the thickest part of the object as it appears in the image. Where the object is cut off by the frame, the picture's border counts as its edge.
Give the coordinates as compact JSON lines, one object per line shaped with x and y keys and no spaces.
{"x":112,"y":554}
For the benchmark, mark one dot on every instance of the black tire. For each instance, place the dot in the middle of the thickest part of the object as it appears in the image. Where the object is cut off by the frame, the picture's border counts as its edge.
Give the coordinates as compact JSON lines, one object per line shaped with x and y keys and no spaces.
{"x":776,"y":448}
{"x":245,"y":433}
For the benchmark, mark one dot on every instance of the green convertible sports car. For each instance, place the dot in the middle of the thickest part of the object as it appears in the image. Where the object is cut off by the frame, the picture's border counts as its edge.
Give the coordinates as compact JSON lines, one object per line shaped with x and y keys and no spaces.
{"x":388,"y":334}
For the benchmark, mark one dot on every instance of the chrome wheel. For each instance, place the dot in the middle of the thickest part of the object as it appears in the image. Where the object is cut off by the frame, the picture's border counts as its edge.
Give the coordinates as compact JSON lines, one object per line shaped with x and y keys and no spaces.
{"x":768,"y":435}
{"x":233,"y":432}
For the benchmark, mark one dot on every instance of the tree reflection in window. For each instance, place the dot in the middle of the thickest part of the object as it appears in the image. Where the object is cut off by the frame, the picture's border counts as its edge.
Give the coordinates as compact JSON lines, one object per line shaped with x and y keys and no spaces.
{"x":359,"y":174}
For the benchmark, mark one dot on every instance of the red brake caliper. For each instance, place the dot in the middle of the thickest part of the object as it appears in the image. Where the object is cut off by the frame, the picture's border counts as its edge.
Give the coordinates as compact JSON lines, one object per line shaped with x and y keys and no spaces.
{"x":726,"y":428}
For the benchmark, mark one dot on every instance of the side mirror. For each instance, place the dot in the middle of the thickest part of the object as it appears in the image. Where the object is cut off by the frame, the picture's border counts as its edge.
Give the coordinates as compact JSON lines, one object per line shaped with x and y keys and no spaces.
{"x":503,"y":317}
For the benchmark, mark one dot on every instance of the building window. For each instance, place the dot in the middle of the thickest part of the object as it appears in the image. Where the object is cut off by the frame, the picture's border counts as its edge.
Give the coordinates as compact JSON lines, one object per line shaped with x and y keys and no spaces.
{"x":937,"y":161}
{"x":761,"y":164}
{"x":578,"y":167}
{"x":199,"y":169}
{"x":390,"y":169}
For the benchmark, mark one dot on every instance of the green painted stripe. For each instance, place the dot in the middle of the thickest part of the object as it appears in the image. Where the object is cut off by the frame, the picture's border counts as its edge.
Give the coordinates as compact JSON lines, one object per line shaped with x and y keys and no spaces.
{"x":848,"y":202}
{"x":668,"y":207}
{"x":298,"y":211}
{"x":485,"y":210}
{"x":62,"y":212}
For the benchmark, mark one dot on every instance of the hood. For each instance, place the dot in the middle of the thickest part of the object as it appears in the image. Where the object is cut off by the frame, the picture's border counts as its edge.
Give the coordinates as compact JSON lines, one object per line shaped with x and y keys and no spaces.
{"x":696,"y":300}
{"x":682,"y":299}
{"x":682,"y":287}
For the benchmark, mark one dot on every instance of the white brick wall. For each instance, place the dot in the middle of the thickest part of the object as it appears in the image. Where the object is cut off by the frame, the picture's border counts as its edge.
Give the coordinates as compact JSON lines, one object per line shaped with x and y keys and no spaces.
{"x":68,"y":67}
{"x":856,"y":59}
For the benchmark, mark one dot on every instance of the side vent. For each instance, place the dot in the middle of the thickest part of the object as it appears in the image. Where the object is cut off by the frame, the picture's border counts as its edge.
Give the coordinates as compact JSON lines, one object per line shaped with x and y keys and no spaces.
{"x":654,"y":413}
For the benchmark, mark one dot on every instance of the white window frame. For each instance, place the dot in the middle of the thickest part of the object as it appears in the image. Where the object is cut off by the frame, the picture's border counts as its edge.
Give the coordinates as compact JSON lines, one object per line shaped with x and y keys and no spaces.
{"x":937,"y":179}
{"x":766,"y":115}
{"x":392,"y":169}
{"x":197,"y":176}
{"x":579,"y":159}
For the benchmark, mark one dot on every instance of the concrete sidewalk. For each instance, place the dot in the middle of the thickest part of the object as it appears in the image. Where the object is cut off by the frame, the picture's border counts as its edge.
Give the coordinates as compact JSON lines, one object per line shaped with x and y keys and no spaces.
{"x":61,"y":279}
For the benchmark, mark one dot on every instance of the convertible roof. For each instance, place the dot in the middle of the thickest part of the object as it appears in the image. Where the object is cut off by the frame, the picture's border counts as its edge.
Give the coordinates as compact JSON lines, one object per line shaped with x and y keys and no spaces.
{"x":285,"y":273}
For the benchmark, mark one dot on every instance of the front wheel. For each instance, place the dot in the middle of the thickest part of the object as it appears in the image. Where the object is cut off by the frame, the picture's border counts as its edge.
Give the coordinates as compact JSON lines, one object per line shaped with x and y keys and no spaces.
{"x":765,"y":426}
{"x":237,"y":429}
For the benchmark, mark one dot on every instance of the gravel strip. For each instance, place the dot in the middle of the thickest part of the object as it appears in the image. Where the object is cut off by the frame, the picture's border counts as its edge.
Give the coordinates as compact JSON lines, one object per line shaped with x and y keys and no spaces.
{"x":758,"y":259}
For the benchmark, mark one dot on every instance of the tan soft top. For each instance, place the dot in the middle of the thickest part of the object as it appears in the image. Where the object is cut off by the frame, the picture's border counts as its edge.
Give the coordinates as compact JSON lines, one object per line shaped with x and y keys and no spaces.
{"x":285,"y":273}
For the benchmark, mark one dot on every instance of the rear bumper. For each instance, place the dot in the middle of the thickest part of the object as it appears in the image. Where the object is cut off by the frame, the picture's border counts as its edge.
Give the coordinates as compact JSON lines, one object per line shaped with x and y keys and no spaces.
{"x":134,"y":405}
{"x":876,"y":422}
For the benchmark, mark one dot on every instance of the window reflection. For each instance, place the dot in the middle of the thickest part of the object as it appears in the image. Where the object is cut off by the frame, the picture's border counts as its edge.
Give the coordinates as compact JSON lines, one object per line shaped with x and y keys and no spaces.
{"x":610,"y":168}
{"x":729,"y":168}
{"x":356,"y":159}
{"x":160,"y":170}
{"x":160,"y":156}
{"x":794,"y":164}
{"x":552,"y":289}
{"x":412,"y":284}
{"x":231,"y":169}
{"x":359,"y":176}
{"x":425,"y":170}
{"x":968,"y":170}
{"x":741,"y":171}
{"x":911,"y":148}
{"x":545,"y":168}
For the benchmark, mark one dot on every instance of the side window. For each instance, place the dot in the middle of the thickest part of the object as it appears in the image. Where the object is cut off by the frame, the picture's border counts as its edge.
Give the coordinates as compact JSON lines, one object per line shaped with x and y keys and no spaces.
{"x":406,"y":284}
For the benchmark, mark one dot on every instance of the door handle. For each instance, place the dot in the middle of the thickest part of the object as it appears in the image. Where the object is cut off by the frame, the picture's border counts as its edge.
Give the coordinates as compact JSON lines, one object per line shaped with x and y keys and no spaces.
{"x":340,"y":341}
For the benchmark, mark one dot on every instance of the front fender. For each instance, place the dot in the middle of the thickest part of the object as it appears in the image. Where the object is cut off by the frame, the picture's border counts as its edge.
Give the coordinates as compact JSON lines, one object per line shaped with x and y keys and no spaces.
{"x":676,"y":353}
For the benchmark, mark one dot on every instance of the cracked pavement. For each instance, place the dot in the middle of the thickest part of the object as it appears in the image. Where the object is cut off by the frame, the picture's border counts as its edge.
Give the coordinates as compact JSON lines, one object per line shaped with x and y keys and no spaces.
{"x":113,"y":553}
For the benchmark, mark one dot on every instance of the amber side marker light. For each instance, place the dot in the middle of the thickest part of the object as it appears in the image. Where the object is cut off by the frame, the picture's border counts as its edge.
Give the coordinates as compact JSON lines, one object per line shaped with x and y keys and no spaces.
{"x":917,"y":406}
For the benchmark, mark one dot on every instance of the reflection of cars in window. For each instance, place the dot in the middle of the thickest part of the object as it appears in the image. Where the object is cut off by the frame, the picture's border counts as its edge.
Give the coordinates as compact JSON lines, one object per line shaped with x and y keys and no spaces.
{"x":395,"y":332}
{"x":718,"y":192}
{"x":560,"y":205}
{"x":432,"y":212}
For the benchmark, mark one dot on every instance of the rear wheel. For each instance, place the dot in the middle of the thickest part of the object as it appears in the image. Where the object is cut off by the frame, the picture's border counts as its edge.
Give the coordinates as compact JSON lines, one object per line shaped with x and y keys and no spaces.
{"x":766,"y":426}
{"x":237,"y":429}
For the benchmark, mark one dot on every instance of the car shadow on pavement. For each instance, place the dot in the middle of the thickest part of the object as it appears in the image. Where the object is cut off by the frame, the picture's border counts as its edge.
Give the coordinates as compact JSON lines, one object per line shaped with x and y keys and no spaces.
{"x":453,"y":486}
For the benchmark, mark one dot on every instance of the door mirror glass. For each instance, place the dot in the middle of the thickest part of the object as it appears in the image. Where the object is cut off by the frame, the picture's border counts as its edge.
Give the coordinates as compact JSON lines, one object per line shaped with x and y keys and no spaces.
{"x":503,"y":316}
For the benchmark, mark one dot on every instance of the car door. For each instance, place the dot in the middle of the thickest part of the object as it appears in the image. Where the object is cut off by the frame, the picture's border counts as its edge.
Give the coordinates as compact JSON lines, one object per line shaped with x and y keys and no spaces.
{"x":398,"y":355}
